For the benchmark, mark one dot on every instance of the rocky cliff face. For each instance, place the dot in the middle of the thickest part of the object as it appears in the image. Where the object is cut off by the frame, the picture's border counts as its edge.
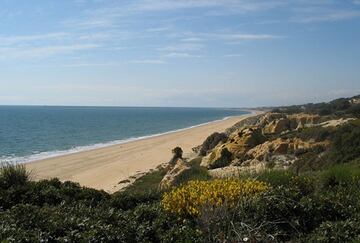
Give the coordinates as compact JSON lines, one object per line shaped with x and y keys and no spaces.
{"x":211,"y":142}
{"x":250,"y":147}
{"x":263,"y":142}
{"x":234,"y":148}
{"x":281,"y":146}
{"x":274,"y":123}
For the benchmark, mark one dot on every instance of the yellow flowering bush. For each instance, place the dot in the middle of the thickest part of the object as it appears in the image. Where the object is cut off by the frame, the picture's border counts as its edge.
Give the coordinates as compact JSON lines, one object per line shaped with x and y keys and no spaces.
{"x":190,"y":198}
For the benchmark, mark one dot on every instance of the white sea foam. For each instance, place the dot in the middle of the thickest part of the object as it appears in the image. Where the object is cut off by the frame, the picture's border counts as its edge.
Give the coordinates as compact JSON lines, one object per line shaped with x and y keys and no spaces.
{"x":56,"y":153}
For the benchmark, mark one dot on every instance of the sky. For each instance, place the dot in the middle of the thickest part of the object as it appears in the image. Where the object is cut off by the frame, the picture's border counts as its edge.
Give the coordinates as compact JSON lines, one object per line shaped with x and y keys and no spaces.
{"x":189,"y":53}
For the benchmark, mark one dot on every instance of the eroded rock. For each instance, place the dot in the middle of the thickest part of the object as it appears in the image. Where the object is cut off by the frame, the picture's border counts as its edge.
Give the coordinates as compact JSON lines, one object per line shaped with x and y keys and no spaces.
{"x":211,"y":142}
{"x":277,"y":126}
{"x":235,"y":148}
{"x":174,"y":174}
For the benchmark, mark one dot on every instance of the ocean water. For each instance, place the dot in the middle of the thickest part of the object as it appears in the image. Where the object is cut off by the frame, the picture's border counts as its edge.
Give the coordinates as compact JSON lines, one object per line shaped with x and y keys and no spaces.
{"x":30,"y":133}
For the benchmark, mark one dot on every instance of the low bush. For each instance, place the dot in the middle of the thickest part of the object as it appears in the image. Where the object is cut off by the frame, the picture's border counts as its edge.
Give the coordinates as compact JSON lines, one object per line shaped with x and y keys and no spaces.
{"x":346,"y":144}
{"x":145,"y":223}
{"x":128,"y":201}
{"x":51,"y":192}
{"x":275,"y":177}
{"x":339,"y":231}
{"x":354,"y":110}
{"x":13,"y":175}
{"x":339,"y":175}
{"x":317,"y":133}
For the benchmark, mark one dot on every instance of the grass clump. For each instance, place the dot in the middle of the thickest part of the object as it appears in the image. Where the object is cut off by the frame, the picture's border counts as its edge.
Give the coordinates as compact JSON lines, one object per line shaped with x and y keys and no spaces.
{"x":145,"y":183}
{"x":275,"y":177}
{"x":339,"y":175}
{"x":13,"y":175}
{"x":144,"y":190}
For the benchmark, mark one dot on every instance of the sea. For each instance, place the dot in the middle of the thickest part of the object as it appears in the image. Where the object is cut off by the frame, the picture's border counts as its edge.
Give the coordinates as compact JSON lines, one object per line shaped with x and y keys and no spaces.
{"x":29,"y":133}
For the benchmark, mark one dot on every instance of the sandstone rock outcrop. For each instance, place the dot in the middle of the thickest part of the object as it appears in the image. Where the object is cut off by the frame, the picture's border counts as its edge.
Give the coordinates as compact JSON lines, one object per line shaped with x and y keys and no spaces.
{"x":235,"y":148}
{"x":274,"y":123}
{"x":177,"y":154}
{"x":174,"y":174}
{"x":246,"y":148}
{"x":235,"y":171}
{"x":281,"y":146}
{"x":211,"y":142}
{"x":268,"y":118}
{"x":336,"y":122}
{"x":277,"y":126}
{"x":302,"y":120}
{"x":250,"y":121}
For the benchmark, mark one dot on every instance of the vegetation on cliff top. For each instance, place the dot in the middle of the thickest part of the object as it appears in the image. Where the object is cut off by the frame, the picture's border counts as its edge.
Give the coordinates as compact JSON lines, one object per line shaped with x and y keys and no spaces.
{"x":338,"y":107}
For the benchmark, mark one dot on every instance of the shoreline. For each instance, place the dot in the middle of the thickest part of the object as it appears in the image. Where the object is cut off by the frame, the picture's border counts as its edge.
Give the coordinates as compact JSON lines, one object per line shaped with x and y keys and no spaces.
{"x":104,"y":167}
{"x":83,"y":148}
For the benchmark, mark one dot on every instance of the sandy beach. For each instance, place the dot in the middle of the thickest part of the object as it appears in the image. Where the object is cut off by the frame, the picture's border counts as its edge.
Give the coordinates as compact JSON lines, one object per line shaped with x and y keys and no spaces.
{"x":104,"y":168}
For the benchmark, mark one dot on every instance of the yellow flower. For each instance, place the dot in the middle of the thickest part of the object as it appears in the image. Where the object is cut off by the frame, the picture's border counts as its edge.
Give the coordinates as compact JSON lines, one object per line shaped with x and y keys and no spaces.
{"x":190,"y":198}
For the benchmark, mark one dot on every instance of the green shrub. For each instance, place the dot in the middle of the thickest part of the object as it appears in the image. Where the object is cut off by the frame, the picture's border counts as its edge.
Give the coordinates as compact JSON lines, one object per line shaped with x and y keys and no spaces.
{"x":316,"y":133}
{"x":51,"y":192}
{"x":128,"y":201}
{"x":330,"y":205}
{"x":13,"y":175}
{"x":80,"y":223}
{"x":346,"y":144}
{"x":345,"y":175}
{"x":354,"y":110}
{"x":27,"y":223}
{"x":295,"y":208}
{"x":272,"y":177}
{"x":339,"y":231}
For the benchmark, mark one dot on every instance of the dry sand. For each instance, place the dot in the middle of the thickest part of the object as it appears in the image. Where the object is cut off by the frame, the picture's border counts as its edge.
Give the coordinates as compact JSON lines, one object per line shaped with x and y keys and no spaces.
{"x":103,"y":168}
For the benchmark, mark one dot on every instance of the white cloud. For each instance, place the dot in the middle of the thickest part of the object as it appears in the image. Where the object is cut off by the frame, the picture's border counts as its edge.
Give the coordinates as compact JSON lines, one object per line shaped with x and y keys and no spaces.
{"x":89,"y":23}
{"x":192,"y":39}
{"x":183,"y":47}
{"x":180,"y":55}
{"x":148,"y":61}
{"x":47,"y":44}
{"x":329,"y":16}
{"x":158,"y":29}
{"x":24,"y":39}
{"x":163,"y":5}
{"x":42,"y":52}
{"x":232,"y":5}
{"x":89,"y":64}
{"x":241,"y":37}
{"x":227,"y":36}
{"x":233,"y":55}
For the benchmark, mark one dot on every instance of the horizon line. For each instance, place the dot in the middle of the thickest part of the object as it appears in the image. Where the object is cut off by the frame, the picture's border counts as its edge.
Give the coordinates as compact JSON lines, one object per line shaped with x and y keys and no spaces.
{"x":119,"y":106}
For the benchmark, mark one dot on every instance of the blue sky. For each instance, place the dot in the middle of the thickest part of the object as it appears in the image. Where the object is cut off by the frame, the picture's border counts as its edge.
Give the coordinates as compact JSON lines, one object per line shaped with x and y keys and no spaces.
{"x":231,"y":53}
